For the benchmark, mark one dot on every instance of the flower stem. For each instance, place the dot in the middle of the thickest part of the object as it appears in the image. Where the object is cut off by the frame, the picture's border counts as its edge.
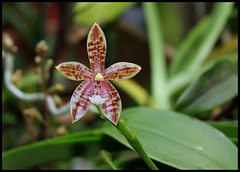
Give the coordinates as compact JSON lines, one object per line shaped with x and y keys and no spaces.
{"x":131,"y":137}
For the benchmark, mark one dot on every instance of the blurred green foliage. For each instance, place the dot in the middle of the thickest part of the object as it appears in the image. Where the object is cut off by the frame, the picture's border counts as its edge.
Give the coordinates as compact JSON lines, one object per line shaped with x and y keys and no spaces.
{"x":197,"y":77}
{"x":87,"y":13}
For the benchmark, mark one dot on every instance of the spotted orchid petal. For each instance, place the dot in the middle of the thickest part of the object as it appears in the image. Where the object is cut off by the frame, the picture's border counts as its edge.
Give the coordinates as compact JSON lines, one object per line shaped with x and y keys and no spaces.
{"x":80,"y":100}
{"x":96,"y":47}
{"x":74,"y":71}
{"x":121,"y":71}
{"x":112,"y":107}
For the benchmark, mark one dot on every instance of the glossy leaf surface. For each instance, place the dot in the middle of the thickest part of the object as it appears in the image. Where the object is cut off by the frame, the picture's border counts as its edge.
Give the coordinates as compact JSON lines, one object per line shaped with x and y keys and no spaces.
{"x":178,"y":140}
{"x":230,"y":129}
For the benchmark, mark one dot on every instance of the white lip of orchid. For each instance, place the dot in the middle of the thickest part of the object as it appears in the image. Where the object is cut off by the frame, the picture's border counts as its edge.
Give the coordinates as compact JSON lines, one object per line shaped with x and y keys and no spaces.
{"x":97,"y":99}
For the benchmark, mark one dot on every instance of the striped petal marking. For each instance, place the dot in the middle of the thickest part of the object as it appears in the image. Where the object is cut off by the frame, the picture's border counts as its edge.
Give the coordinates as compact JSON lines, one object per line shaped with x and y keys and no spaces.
{"x":96,"y":47}
{"x":112,"y":107}
{"x":74,"y":71}
{"x":80,"y":100}
{"x":121,"y":71}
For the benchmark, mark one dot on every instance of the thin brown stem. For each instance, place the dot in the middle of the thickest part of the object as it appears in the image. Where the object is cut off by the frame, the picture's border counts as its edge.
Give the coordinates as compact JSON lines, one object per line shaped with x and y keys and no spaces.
{"x":44,"y":85}
{"x":27,"y":122}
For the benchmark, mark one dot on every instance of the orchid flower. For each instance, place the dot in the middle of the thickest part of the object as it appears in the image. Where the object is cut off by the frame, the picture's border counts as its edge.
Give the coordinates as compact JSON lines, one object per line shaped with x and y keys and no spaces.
{"x":96,"y":88}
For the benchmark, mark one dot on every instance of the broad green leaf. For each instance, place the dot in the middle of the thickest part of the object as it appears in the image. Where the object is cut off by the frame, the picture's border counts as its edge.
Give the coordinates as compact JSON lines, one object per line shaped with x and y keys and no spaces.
{"x":215,"y":87}
{"x":173,"y":139}
{"x":230,"y":129}
{"x":178,"y":140}
{"x":53,"y":149}
{"x":87,"y":13}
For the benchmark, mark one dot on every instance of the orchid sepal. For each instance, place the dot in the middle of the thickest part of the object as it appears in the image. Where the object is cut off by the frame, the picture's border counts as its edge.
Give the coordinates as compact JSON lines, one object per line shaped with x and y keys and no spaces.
{"x":112,"y":107}
{"x":74,"y":71}
{"x":96,"y":47}
{"x":121,"y":71}
{"x":79,"y":102}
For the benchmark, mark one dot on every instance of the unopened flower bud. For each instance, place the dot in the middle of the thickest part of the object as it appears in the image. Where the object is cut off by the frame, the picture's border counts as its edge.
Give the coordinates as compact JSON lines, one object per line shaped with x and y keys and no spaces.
{"x":62,"y":131}
{"x":8,"y":43}
{"x":41,"y":48}
{"x":57,"y":100}
{"x":49,"y":64}
{"x":16,"y":77}
{"x":38,"y":59}
{"x":57,"y":87}
{"x":33,"y":113}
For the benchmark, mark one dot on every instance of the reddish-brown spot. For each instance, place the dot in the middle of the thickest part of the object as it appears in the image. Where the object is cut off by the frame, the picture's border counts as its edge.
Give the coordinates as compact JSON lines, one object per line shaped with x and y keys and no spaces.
{"x":74,"y":110}
{"x":95,"y":33}
{"x":115,"y":117}
{"x":113,"y":104}
{"x":105,"y":111}
{"x":101,"y":38}
{"x":114,"y":94}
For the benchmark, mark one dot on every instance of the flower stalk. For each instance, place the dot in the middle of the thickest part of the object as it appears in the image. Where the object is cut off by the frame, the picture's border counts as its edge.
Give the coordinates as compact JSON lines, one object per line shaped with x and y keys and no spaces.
{"x":131,"y":137}
{"x":41,"y":50}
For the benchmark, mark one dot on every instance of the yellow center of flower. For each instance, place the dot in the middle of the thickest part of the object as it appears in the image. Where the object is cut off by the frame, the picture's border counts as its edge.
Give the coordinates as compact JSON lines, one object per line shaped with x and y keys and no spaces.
{"x":98,"y":77}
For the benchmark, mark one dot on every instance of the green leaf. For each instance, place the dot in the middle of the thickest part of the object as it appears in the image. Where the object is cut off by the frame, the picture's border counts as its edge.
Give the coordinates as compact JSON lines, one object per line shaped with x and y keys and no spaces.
{"x":168,"y":137}
{"x":172,"y":26}
{"x":177,"y":140}
{"x":159,"y":85}
{"x":48,"y":150}
{"x":87,"y":13}
{"x":215,"y":87}
{"x":230,"y":129}
{"x":197,"y":46}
